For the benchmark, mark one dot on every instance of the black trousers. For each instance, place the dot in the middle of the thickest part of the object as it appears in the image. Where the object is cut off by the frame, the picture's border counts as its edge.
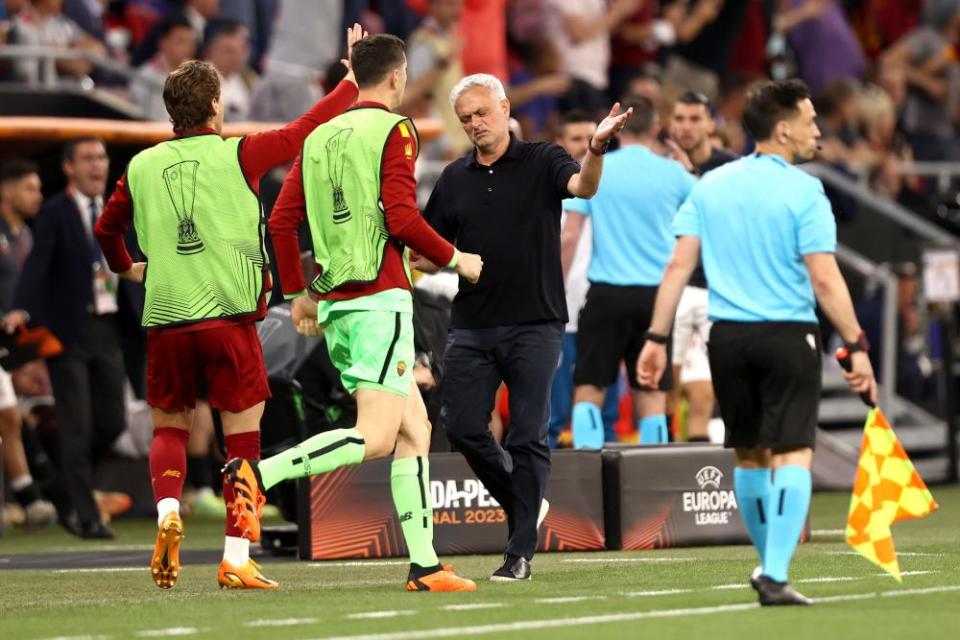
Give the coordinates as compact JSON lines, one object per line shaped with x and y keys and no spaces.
{"x":87,"y":384}
{"x":524,"y":357}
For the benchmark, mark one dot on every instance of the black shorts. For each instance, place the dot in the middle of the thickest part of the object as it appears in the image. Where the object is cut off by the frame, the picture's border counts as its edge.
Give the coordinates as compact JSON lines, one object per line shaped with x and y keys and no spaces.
{"x":610,"y":331}
{"x":767,"y":379}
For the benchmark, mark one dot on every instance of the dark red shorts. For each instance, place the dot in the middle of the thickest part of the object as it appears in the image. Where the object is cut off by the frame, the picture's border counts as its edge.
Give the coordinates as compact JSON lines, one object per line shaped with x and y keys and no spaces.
{"x":228,"y":358}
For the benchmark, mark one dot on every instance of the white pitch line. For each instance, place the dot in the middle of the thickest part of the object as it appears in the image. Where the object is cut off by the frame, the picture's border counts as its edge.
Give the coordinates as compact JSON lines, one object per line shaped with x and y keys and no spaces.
{"x":282,"y":622}
{"x":828,"y":532}
{"x":610,"y":560}
{"x":829,"y":579}
{"x":532,"y":625}
{"x":566,"y":599}
{"x":471,"y":607}
{"x":732,"y":585}
{"x":373,"y":615}
{"x":901,"y":554}
{"x":910,"y":573}
{"x":101,"y":570}
{"x":172,"y":631}
{"x":79,"y":638}
{"x":663,"y":592}
{"x":358,"y":563}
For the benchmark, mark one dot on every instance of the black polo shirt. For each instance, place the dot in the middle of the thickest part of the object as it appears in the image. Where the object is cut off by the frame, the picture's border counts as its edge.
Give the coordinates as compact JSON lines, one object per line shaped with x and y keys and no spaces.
{"x":509,"y":213}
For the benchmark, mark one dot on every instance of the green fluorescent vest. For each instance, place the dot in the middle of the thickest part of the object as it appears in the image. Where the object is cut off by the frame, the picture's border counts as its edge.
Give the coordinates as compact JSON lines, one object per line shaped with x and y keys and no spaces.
{"x":201,"y":228}
{"x":341,"y":161}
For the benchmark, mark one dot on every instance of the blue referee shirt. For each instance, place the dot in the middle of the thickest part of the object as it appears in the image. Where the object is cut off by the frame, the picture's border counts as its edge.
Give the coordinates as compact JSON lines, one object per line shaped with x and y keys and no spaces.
{"x":756,"y":218}
{"x":632,"y":216}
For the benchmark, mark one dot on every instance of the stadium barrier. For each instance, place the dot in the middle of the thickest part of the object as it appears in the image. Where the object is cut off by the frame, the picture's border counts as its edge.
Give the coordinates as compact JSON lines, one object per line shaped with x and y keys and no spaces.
{"x":623,"y":498}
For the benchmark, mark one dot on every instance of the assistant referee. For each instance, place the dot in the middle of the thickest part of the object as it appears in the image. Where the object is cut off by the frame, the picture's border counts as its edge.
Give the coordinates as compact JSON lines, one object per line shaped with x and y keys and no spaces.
{"x":768,"y":238}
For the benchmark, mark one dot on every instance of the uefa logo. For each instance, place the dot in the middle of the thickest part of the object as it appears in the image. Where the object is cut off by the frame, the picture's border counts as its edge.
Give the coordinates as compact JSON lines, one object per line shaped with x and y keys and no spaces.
{"x":709,"y":476}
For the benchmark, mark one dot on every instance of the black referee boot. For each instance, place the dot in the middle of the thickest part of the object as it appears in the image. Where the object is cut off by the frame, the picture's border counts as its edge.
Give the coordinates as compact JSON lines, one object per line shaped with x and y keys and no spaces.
{"x":514,"y":568}
{"x":773,"y":593}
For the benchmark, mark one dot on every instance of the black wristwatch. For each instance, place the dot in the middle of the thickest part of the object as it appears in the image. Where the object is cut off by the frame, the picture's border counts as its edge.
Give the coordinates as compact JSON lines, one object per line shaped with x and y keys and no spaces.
{"x":658,"y":338}
{"x":603,"y":149}
{"x":861,"y":344}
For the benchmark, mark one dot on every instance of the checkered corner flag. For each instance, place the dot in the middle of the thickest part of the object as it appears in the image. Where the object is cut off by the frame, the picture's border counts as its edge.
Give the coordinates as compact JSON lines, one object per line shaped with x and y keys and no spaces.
{"x":887,"y":489}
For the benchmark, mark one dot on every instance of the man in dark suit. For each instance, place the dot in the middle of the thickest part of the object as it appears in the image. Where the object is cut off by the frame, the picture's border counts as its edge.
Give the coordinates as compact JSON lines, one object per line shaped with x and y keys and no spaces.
{"x":66,"y":286}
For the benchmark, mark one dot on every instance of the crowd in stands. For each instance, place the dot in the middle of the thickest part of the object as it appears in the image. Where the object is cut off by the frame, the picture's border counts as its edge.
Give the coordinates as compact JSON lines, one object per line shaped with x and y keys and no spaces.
{"x":885,"y":75}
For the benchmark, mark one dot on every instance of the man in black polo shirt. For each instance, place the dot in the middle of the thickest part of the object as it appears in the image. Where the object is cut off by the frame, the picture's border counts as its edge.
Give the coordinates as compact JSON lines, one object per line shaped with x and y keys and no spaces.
{"x":502,"y":199}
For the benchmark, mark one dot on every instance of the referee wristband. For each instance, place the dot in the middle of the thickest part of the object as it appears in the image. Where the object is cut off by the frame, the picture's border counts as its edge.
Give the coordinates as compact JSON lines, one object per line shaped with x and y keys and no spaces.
{"x":657,"y":338}
{"x":861,"y":344}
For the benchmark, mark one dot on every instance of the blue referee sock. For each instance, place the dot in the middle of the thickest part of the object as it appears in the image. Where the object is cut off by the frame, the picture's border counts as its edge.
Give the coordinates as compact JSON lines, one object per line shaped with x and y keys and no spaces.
{"x":789,"y":505}
{"x":653,"y":429}
{"x":752,"y":488}
{"x":587,"y":426}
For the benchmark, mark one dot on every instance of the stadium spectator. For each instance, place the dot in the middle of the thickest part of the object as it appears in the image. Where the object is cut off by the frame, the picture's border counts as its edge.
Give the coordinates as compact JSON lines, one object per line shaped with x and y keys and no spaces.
{"x":690,"y":129}
{"x":433,"y":68}
{"x":65,"y":285}
{"x":535,"y":85}
{"x":631,"y":215}
{"x":41,"y":23}
{"x":581,"y":29}
{"x":484,"y":27}
{"x":306,"y":42}
{"x":767,"y":238}
{"x":216,"y":339}
{"x":932,"y":72}
{"x":258,"y":17}
{"x":576,"y":129}
{"x":706,"y":40}
{"x":504,"y":201}
{"x":228,"y":49}
{"x":823,"y":42}
{"x":362,"y":162}
{"x":199,"y":13}
{"x":176,"y":43}
{"x":20,"y":200}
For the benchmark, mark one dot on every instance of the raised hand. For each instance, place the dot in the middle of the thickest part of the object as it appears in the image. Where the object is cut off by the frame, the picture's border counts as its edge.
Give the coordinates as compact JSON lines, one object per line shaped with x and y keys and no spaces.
{"x":612,"y":124}
{"x":354,"y":35}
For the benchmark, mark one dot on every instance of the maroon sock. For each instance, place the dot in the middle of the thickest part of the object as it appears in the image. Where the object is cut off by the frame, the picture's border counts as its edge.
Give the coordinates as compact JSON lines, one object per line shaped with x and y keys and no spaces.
{"x":239,"y":445}
{"x":168,"y":462}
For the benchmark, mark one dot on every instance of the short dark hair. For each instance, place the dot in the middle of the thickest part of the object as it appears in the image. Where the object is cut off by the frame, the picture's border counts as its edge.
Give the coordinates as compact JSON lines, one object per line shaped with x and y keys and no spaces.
{"x":70,"y":149}
{"x":222,"y":27}
{"x":574,"y":116}
{"x":16,"y":168}
{"x":771,"y":102}
{"x":836,"y":94}
{"x":166,"y":27}
{"x":188,"y":93}
{"x":695,"y":97}
{"x":644,"y":116}
{"x":376,"y":56}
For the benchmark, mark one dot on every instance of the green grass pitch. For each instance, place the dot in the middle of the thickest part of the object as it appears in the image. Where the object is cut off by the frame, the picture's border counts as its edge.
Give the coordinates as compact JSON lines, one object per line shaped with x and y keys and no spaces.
{"x":681,"y":593}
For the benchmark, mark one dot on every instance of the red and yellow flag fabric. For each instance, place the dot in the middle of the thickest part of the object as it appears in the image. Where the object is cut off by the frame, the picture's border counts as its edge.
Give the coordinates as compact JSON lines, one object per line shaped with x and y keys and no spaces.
{"x":887,"y":489}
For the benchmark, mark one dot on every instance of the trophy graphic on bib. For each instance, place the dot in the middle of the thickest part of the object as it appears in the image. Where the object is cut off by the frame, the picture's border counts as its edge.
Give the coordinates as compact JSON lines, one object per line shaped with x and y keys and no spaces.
{"x":336,"y":159}
{"x":181,"y":181}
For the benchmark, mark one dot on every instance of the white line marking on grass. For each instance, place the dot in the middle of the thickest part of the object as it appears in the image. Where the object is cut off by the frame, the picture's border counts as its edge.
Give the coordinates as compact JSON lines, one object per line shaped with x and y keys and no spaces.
{"x":101,"y":569}
{"x":902,"y":554}
{"x":828,"y":532}
{"x":471,"y":607}
{"x":531,"y":625}
{"x":79,"y":638}
{"x":358,"y":563}
{"x":172,"y":631}
{"x":610,"y":560}
{"x":663,"y":592}
{"x":368,"y":615}
{"x":909,"y":573}
{"x":830,"y":579}
{"x":732,"y":585}
{"x":566,"y":599}
{"x":283,"y":622}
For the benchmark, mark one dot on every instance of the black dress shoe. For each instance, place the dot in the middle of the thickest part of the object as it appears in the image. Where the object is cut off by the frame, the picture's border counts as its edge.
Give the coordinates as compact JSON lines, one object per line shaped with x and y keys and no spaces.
{"x":773,"y":593}
{"x":95,"y":531}
{"x":514,"y":568}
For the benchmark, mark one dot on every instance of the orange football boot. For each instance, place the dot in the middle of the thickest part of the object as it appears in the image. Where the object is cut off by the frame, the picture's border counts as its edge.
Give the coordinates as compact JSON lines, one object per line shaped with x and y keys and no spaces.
{"x":443,"y":580}
{"x":246,"y":577}
{"x":165,"y":564}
